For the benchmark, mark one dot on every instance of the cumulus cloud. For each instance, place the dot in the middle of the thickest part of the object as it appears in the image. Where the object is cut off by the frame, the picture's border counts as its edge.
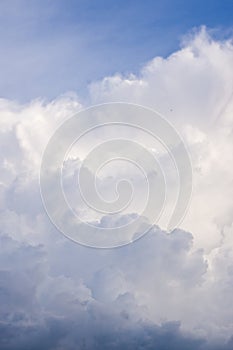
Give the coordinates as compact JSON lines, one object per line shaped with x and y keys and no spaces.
{"x":167,"y":290}
{"x":192,"y":88}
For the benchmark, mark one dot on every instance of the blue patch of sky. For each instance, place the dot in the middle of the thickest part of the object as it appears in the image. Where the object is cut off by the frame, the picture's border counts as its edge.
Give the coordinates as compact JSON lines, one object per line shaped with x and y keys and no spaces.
{"x":51,"y":47}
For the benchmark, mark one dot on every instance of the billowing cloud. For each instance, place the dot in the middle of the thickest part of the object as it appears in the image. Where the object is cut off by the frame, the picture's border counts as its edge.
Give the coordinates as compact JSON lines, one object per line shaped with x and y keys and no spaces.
{"x":166,"y":290}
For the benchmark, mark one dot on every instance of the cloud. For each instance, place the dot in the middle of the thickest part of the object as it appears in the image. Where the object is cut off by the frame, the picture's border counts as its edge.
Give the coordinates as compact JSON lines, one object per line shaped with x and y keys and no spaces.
{"x":193,"y":89}
{"x":99,"y":299}
{"x":41,"y":307}
{"x":169,"y":291}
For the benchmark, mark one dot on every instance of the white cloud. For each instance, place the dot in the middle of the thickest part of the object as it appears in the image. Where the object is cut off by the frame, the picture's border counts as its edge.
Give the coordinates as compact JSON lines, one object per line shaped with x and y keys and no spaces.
{"x":68,"y":294}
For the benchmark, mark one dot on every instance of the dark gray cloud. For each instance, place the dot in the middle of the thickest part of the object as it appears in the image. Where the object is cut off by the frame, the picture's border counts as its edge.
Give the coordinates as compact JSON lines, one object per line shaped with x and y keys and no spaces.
{"x":100,"y":331}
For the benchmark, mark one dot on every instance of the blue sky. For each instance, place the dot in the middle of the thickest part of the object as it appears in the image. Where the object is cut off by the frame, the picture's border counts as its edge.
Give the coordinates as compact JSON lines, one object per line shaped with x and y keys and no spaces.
{"x":51,"y":47}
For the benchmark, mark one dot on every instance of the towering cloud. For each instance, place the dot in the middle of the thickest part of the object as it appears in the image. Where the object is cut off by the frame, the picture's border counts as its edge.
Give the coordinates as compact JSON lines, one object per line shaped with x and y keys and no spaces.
{"x":164,"y":291}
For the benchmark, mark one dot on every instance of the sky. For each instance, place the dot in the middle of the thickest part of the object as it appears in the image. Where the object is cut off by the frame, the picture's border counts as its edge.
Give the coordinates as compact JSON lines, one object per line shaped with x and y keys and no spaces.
{"x":53,"y":47}
{"x":114,"y":115}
